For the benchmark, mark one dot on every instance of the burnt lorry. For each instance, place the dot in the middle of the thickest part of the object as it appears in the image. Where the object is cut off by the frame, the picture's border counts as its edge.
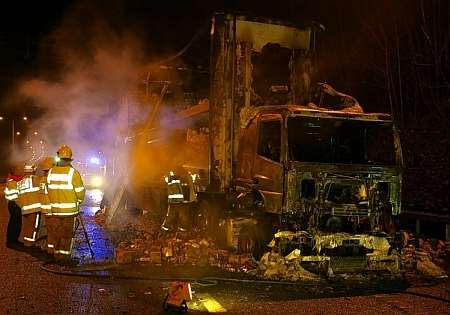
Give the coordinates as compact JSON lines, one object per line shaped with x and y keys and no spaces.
{"x":331,"y":180}
{"x":268,"y":161}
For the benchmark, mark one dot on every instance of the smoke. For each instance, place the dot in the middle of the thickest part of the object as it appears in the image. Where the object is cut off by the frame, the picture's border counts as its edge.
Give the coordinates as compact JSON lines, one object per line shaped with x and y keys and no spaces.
{"x":93,"y":98}
{"x":91,"y":95}
{"x":90,"y":105}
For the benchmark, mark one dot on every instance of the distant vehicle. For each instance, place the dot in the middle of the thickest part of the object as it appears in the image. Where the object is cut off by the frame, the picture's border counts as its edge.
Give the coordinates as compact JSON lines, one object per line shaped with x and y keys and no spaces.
{"x":93,"y":172}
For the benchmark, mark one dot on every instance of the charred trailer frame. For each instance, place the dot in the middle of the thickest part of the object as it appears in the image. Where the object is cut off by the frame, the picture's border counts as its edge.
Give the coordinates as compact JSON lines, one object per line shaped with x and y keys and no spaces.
{"x":234,"y":40}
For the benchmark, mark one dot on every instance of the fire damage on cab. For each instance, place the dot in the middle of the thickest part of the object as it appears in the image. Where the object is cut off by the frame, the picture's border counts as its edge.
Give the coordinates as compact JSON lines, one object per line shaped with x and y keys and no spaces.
{"x":328,"y":182}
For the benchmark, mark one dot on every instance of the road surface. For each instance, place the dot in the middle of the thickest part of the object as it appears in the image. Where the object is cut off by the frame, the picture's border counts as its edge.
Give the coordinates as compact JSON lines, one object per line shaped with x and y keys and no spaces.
{"x":26,"y":289}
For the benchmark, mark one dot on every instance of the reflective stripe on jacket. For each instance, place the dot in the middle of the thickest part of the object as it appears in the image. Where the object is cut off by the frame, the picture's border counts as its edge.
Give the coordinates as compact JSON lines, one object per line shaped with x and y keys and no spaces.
{"x":11,"y":191}
{"x":29,"y":198}
{"x":65,"y":190}
{"x":43,"y":194}
{"x":175,"y":191}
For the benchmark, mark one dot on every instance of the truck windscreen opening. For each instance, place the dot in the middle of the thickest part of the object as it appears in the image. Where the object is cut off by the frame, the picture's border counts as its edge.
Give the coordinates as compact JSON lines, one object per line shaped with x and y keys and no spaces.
{"x":328,"y":140}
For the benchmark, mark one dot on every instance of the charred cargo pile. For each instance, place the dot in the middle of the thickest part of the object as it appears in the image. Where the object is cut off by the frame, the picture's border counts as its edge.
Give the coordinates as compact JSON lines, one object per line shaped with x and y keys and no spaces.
{"x":181,"y":249}
{"x":285,"y":260}
{"x":427,"y":257}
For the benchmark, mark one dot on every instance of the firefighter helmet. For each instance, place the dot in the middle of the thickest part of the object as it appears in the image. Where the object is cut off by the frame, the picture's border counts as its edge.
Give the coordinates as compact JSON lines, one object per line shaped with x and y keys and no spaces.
{"x":64,"y":152}
{"x":46,"y":163}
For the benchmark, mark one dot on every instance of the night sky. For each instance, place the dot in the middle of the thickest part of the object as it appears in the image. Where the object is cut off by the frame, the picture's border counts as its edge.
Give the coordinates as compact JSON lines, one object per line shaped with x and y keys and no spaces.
{"x":351,"y":50}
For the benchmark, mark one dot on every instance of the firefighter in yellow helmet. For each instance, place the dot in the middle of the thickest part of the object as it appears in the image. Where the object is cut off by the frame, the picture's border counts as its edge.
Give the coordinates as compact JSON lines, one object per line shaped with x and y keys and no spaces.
{"x":66,"y":192}
{"x":44,"y":167}
{"x":29,"y":201}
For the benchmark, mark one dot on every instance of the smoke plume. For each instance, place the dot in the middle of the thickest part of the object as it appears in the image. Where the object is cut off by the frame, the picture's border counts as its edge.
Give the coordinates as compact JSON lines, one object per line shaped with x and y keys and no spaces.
{"x":91,"y":95}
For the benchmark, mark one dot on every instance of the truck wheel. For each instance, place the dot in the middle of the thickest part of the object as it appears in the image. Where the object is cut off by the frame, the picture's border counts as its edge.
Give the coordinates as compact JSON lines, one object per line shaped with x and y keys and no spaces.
{"x":256,"y":245}
{"x":201,"y":217}
{"x":334,"y":224}
{"x":389,"y":223}
{"x":207,"y":218}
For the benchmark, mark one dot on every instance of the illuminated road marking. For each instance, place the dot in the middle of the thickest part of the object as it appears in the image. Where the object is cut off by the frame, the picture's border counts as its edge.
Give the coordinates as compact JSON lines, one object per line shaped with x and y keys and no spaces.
{"x":206,"y":302}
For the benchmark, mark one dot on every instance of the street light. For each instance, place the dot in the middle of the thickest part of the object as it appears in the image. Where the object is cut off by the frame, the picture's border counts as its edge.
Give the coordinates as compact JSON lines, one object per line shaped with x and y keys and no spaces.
{"x":14,"y":133}
{"x":35,"y":133}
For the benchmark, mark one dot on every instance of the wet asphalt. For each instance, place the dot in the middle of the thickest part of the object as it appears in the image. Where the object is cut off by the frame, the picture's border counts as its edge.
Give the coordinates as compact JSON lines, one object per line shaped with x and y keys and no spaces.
{"x":27,"y":289}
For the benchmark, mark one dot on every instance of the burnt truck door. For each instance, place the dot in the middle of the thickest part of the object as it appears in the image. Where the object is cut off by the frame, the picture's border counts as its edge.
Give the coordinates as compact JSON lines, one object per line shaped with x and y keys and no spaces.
{"x":246,"y":152}
{"x":267,"y":167}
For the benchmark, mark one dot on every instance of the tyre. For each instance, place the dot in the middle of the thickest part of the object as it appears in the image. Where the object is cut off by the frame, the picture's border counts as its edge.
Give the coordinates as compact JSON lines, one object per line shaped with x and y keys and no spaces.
{"x":257,"y":237}
{"x":334,"y":224}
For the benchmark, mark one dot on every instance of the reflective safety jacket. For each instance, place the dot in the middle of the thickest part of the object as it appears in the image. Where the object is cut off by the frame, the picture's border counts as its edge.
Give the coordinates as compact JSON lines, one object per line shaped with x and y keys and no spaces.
{"x":46,"y":207}
{"x":11,"y":191}
{"x":174,"y":190}
{"x":29,"y":198}
{"x":65,"y":190}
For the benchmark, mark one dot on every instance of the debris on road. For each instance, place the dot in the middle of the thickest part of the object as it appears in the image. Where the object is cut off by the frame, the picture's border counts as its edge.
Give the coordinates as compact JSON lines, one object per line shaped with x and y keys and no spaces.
{"x":180,"y":249}
{"x":429,"y":257}
{"x":285,"y":259}
{"x":428,"y":268}
{"x":276,"y":267}
{"x":100,"y":216}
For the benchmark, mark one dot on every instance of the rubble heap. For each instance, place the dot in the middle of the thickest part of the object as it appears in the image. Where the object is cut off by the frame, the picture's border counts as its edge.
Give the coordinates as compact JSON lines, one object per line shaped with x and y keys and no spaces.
{"x":180,"y":249}
{"x":285,"y":259}
{"x":429,"y":257}
{"x":274,"y":266}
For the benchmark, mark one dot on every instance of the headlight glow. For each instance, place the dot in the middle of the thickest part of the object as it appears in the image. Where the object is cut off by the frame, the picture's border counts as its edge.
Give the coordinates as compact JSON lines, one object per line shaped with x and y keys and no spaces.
{"x":97,"y":181}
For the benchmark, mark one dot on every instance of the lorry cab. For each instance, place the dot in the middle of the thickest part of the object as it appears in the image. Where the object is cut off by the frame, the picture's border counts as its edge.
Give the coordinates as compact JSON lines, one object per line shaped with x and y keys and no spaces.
{"x":331,"y":170}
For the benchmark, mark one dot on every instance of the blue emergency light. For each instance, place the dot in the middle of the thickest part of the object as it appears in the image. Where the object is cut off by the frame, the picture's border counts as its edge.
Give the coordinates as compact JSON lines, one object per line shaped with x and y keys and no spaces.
{"x":94,"y":160}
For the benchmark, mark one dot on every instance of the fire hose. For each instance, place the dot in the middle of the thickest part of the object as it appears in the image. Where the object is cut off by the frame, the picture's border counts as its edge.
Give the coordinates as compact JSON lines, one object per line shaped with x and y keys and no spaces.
{"x":90,"y":272}
{"x":209,"y":281}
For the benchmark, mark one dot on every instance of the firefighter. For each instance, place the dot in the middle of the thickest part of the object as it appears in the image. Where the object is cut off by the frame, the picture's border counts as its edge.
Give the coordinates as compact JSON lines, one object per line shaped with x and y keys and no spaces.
{"x":44,"y":167}
{"x":180,"y":195}
{"x":29,"y":202}
{"x":174,"y":198}
{"x":15,"y":215}
{"x":66,"y":193}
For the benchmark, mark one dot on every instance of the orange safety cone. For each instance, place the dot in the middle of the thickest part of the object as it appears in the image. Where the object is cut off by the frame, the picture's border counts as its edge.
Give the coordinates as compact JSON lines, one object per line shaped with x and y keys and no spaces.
{"x":179,"y":294}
